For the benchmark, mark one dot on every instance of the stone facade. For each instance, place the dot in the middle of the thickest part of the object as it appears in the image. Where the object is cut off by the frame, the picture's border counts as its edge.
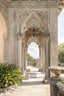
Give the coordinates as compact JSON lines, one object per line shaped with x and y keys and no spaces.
{"x":26,"y":22}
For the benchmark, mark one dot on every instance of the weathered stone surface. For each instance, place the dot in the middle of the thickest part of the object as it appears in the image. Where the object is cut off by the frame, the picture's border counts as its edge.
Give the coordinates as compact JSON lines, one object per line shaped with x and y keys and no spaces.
{"x":37,"y":22}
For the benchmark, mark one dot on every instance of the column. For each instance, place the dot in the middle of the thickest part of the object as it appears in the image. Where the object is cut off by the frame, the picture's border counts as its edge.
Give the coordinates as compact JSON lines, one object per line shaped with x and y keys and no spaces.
{"x":47,"y":57}
{"x":53,"y":30}
{"x":42,"y":57}
{"x":19,"y":52}
{"x":22,"y":56}
{"x":25,"y":57}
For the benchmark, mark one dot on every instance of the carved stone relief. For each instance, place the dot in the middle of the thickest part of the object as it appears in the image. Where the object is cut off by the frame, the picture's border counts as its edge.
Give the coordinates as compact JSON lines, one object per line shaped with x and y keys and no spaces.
{"x":33,"y":22}
{"x":22,"y":15}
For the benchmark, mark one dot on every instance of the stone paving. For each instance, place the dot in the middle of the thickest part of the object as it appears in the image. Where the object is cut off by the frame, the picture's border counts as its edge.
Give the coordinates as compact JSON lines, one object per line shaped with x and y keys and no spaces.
{"x":31,"y":87}
{"x":36,"y":90}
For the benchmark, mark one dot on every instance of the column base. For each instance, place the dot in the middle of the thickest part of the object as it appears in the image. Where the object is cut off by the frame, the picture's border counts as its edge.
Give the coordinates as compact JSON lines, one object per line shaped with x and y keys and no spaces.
{"x":46,"y":81}
{"x":42,"y":70}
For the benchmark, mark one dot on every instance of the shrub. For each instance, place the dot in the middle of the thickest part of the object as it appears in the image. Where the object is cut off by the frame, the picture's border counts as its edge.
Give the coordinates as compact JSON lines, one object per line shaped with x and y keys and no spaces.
{"x":9,"y":75}
{"x":61,"y":53}
{"x":62,"y":79}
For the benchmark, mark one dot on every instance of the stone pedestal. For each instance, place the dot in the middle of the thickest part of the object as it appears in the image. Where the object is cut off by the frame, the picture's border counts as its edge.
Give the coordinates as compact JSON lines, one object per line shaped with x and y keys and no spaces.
{"x":53,"y":88}
{"x":53,"y":81}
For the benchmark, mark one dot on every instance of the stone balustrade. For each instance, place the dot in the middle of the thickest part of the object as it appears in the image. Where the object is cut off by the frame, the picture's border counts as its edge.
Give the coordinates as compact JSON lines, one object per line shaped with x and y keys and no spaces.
{"x":56,"y":86}
{"x":60,"y":89}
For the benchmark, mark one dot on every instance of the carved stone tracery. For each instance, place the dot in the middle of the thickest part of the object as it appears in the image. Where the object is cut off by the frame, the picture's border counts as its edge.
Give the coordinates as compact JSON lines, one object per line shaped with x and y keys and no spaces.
{"x":33,"y":22}
{"x":29,"y":19}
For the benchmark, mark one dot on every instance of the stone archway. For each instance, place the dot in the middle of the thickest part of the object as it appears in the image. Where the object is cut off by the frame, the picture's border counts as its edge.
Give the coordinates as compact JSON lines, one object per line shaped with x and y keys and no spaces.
{"x":43,"y":42}
{"x":33,"y":58}
{"x":32,"y":20}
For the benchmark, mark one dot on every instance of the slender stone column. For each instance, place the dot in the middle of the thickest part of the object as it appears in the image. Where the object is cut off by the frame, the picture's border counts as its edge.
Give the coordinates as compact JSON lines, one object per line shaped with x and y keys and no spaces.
{"x":47,"y":62}
{"x":19,"y":52}
{"x":25,"y":57}
{"x":22,"y":56}
{"x":43,"y":57}
{"x":40,"y":56}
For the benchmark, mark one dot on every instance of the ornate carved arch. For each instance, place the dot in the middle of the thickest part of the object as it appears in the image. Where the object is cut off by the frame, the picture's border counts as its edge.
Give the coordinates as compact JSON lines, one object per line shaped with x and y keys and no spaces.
{"x":29,"y":17}
{"x":33,"y":39}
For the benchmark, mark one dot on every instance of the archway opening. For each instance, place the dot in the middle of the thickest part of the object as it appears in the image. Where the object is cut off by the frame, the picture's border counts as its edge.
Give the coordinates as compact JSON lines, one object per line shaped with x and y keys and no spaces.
{"x":33,"y":61}
{"x":36,"y":66}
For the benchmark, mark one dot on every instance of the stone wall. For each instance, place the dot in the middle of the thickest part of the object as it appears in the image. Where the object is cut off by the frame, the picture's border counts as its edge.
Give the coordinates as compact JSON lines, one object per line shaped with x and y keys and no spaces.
{"x":3,"y":31}
{"x":34,"y":63}
{"x":25,"y":15}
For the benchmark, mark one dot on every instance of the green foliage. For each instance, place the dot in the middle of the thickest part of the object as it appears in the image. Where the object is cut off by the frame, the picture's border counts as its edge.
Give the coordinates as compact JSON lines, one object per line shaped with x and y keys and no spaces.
{"x":30,"y":58}
{"x":62,"y":79}
{"x":61,"y":53}
{"x":9,"y":75}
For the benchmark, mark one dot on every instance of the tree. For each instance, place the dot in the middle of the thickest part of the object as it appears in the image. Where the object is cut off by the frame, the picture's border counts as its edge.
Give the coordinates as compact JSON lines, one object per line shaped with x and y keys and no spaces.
{"x":30,"y":58}
{"x":61,"y":53}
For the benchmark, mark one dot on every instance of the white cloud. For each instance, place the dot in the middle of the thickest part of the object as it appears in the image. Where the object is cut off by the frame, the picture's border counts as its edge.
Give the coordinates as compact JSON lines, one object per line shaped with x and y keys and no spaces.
{"x":61,"y":40}
{"x":61,"y":27}
{"x":33,"y":50}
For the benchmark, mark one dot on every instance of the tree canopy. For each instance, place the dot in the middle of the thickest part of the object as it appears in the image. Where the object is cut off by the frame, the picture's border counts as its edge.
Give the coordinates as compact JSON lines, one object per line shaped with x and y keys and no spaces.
{"x":30,"y":58}
{"x":61,"y":53}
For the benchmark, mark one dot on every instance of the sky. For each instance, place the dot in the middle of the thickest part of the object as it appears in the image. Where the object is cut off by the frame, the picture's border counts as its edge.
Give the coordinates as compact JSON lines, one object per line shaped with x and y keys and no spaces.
{"x":61,"y":27}
{"x":33,"y":49}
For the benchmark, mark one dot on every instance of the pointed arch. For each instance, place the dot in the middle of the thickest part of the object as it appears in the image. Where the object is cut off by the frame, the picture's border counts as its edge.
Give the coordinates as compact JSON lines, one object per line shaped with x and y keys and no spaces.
{"x":33,"y":39}
{"x":31,"y":15}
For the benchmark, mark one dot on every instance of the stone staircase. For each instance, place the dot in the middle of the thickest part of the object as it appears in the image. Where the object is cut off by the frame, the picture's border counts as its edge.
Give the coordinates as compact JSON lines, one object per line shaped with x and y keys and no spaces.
{"x":33,"y":74}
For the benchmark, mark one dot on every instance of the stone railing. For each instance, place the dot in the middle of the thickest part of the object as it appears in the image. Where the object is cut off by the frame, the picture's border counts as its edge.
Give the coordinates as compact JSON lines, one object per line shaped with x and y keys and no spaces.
{"x":61,"y":64}
{"x":56,"y":86}
{"x":60,"y":89}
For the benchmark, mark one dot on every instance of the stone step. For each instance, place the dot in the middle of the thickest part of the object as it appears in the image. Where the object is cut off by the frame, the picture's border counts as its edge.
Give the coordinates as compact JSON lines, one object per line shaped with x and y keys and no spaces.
{"x":35,"y":74}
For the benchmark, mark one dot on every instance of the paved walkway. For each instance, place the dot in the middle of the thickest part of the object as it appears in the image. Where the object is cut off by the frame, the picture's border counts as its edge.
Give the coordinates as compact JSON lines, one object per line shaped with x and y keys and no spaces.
{"x":38,"y":90}
{"x":30,"y":89}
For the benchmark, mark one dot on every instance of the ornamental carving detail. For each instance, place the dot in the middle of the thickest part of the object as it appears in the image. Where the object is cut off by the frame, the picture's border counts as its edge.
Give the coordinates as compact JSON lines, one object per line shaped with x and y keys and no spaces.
{"x":33,"y":22}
